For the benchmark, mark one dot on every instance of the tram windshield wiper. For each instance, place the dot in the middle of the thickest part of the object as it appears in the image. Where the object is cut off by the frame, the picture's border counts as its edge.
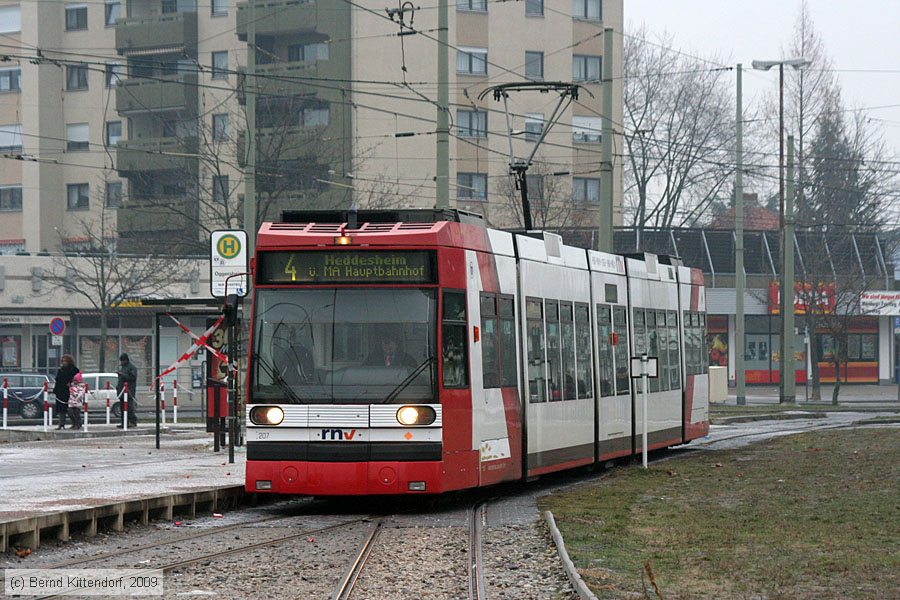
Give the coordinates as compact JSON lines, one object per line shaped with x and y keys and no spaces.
{"x":279,"y":381}
{"x":408,"y":380}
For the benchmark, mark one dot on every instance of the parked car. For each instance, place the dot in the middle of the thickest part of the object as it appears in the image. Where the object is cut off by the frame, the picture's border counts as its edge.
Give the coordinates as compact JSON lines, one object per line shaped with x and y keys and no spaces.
{"x":100,"y":387}
{"x":26,"y":393}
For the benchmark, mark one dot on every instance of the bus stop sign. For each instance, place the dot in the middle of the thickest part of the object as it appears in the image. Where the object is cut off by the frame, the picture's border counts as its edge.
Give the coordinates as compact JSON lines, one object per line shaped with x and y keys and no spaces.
{"x":228,"y":256}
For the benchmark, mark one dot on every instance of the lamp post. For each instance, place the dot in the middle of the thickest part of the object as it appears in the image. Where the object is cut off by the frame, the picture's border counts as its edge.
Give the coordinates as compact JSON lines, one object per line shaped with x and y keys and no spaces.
{"x":786,"y":279}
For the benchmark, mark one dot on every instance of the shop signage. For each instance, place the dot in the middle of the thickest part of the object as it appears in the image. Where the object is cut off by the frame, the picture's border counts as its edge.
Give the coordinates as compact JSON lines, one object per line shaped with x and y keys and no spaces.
{"x":25,"y":319}
{"x":816,"y":298}
{"x":883,"y":303}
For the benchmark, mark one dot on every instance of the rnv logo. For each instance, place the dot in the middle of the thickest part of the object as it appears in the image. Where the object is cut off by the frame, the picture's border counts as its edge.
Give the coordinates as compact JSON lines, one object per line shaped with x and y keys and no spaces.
{"x":338,"y":434}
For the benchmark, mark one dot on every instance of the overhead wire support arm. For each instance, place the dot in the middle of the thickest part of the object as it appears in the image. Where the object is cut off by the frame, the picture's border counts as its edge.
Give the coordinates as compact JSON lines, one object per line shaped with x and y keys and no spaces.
{"x":518,"y":167}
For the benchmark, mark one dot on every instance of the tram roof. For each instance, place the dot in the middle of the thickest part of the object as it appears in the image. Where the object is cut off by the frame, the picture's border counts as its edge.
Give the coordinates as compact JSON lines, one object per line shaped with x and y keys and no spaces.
{"x":405,"y":215}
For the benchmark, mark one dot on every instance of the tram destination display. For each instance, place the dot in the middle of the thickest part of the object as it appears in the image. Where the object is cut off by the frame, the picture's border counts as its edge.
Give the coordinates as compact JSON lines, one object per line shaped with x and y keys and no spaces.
{"x":346,"y":266}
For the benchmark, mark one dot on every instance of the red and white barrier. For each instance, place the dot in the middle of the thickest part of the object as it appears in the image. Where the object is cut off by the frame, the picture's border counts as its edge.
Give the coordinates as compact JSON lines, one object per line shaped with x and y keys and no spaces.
{"x":107,"y":402}
{"x":162,"y":393}
{"x":47,"y":421}
{"x":5,"y":400}
{"x":84,"y":414}
{"x":175,"y":402}
{"x":125,"y":408}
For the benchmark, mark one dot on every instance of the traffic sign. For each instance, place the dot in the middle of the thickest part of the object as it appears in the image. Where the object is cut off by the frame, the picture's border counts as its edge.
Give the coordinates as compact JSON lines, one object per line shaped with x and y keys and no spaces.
{"x":57,"y":326}
{"x":56,"y":340}
{"x":228,"y":258}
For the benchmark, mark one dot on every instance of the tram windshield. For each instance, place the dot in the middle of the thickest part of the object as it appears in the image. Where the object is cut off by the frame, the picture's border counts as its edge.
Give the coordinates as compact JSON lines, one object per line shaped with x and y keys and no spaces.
{"x":344,"y":346}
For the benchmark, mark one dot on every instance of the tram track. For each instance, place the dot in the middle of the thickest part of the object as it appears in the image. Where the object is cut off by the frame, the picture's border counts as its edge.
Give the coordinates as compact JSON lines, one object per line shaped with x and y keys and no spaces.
{"x":207,"y":557}
{"x":348,"y":582}
{"x":477,"y":517}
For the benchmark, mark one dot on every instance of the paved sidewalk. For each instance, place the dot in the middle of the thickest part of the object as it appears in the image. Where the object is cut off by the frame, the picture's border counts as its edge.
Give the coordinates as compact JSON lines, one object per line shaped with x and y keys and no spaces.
{"x":75,"y":472}
{"x":850,"y":394}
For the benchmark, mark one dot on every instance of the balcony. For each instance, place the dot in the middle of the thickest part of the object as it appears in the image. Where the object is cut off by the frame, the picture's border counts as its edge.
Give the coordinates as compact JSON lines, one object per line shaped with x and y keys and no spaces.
{"x":285,"y":79}
{"x":279,"y":17}
{"x":276,"y":145}
{"x":165,"y":32}
{"x":176,"y":92}
{"x":156,"y":154}
{"x":160,"y":215}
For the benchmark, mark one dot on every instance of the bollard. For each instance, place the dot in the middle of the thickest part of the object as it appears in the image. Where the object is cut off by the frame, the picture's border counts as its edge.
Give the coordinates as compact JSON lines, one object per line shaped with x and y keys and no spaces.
{"x":46,"y":407}
{"x":107,"y":403}
{"x":125,"y":408}
{"x":175,"y":402}
{"x":84,"y":414}
{"x":162,"y":393}
{"x":5,"y":400}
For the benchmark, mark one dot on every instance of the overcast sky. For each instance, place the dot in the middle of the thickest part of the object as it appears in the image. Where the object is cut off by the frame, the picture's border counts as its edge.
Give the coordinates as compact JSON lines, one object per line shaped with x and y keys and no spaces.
{"x":857,"y":35}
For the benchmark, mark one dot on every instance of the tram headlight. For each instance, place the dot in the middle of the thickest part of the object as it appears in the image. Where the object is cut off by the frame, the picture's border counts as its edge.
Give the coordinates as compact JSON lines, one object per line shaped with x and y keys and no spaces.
{"x":267,"y":415}
{"x":416,"y":415}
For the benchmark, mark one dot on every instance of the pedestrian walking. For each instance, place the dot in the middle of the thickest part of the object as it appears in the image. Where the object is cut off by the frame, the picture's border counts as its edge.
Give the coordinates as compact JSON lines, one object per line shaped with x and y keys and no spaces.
{"x":77,"y":392}
{"x":64,"y":376}
{"x":127,"y":373}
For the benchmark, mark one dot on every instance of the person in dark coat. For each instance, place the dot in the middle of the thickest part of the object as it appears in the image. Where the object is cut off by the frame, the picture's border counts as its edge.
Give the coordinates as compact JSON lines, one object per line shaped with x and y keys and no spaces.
{"x":127,"y":373}
{"x":64,"y":376}
{"x":389,"y":354}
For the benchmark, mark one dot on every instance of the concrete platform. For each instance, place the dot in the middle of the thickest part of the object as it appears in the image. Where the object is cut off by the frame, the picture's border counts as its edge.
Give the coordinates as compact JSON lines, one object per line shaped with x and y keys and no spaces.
{"x":94,"y":481}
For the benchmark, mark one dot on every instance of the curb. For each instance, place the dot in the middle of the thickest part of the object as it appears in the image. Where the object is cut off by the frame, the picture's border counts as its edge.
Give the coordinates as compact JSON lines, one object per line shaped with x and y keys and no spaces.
{"x":577,"y":582}
{"x":27,"y":531}
{"x":11,"y":436}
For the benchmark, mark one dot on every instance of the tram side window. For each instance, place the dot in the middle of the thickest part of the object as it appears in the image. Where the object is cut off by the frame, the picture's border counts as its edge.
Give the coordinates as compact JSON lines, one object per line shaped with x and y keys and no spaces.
{"x":662,"y":334}
{"x":605,"y":349}
{"x":620,"y":328}
{"x":455,"y":348}
{"x":652,"y":345}
{"x":583,"y":346}
{"x":567,"y":332}
{"x":640,"y":342}
{"x":508,"y":369}
{"x":534,"y":320}
{"x":490,"y":341}
{"x":674,"y":354}
{"x":554,"y":354}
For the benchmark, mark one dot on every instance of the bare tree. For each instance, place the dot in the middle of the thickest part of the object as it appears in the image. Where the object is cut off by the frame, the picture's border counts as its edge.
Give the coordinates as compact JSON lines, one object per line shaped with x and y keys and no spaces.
{"x":93,"y":267}
{"x":678,"y":131}
{"x":553,"y":207}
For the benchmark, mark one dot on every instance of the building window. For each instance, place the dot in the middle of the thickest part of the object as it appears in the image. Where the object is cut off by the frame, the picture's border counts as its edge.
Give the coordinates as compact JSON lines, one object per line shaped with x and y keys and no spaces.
{"x":114,"y":74}
{"x":312,"y":117}
{"x":471,"y":61}
{"x":76,"y":77}
{"x":113,"y":194}
{"x":305,"y":52}
{"x":76,"y":17}
{"x":78,"y":196}
{"x":220,"y":188}
{"x":534,"y":8}
{"x":472,"y":5}
{"x":11,"y":198}
{"x":535,"y":185}
{"x":169,"y":6}
{"x":11,"y":138}
{"x":113,"y":12}
{"x":220,"y":65}
{"x":471,"y":123}
{"x":10,"y":19}
{"x":113,"y":132}
{"x":586,"y":130}
{"x":586,"y":68}
{"x":586,"y":190}
{"x":219,"y":127}
{"x":77,"y":137}
{"x":534,"y":126}
{"x":219,"y":7}
{"x":10,"y":80}
{"x":534,"y":65}
{"x":586,"y":9}
{"x":471,"y":186}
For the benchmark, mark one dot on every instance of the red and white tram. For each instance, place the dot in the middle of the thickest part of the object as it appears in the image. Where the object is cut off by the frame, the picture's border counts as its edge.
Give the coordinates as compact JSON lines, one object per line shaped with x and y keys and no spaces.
{"x":421,"y":352}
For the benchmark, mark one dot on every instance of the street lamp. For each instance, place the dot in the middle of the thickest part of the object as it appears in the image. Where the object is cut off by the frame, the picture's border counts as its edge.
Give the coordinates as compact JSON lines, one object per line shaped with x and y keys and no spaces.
{"x":786,"y":279}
